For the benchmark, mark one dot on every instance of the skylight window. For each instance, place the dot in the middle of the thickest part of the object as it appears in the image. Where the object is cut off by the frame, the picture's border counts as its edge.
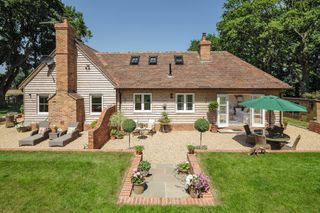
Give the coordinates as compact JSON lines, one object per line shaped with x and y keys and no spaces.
{"x":153,"y":60}
{"x":134,"y":60}
{"x":178,"y":59}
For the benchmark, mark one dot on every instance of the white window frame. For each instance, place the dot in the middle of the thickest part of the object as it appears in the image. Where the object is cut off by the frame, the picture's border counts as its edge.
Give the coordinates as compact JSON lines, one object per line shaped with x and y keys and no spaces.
{"x":90,"y":102}
{"x":142,"y":102}
{"x":253,"y":96}
{"x":185,"y":103}
{"x":38,"y":104}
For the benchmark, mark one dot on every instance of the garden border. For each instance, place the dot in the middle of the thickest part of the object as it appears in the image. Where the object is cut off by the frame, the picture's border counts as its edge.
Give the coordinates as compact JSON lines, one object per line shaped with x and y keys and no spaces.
{"x":124,"y":195}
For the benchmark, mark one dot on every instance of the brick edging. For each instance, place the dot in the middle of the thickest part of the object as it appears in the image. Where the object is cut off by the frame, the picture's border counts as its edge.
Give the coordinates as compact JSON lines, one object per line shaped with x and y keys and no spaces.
{"x":244,"y":151}
{"x":124,"y":195}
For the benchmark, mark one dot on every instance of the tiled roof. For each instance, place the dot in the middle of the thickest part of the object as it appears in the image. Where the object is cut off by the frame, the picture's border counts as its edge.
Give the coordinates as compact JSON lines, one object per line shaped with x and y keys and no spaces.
{"x":223,"y":71}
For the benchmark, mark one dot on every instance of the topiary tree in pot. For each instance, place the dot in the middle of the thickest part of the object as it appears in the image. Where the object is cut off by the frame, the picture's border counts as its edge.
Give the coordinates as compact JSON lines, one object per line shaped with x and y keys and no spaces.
{"x":213,"y":106}
{"x":129,"y":126}
{"x":202,"y":125}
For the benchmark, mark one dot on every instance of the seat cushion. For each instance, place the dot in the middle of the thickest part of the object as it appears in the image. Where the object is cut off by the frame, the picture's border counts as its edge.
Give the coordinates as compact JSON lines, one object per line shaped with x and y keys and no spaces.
{"x":70,"y":130}
{"x":32,"y":138}
{"x":42,"y":130}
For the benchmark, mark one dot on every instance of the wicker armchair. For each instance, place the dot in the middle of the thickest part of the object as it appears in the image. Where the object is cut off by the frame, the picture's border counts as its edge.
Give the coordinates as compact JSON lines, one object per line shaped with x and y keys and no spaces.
{"x":261,"y":142}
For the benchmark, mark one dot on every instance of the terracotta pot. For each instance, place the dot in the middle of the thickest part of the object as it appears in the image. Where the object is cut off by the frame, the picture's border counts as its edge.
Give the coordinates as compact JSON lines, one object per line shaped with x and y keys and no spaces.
{"x":214,"y":128}
{"x":139,"y":188}
{"x":54,"y":130}
{"x":193,"y":193}
{"x":113,"y":137}
{"x":139,"y":152}
{"x":191,"y":151}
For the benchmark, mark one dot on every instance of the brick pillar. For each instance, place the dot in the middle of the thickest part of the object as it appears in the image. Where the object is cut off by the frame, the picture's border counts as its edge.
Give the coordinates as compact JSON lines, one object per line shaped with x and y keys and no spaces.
{"x":66,"y":105}
{"x":205,"y":48}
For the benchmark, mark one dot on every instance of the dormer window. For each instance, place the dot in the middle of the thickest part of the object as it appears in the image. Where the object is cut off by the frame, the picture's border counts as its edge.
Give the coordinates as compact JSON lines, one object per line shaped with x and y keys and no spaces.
{"x":153,"y":60}
{"x":178,"y":59}
{"x":134,"y":60}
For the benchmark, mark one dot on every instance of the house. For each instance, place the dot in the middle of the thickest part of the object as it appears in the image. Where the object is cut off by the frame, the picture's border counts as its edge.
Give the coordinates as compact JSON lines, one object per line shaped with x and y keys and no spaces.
{"x":142,"y":85}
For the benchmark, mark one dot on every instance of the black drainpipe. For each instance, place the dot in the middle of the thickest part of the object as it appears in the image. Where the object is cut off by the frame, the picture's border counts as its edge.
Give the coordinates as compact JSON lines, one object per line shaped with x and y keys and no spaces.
{"x":170,"y":70}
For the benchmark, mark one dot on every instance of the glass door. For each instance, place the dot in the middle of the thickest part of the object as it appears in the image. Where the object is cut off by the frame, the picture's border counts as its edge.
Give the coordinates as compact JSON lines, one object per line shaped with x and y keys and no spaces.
{"x":223,"y":111}
{"x":257,"y":115}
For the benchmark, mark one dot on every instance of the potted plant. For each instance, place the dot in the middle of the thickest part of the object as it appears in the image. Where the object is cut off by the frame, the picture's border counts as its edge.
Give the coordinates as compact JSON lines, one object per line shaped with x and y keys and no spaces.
{"x":213,"y":106}
{"x":164,"y":122}
{"x":113,"y":134}
{"x":285,"y":124}
{"x":22,"y":128}
{"x":129,"y":126}
{"x":115,"y":122}
{"x":196,"y":185}
{"x":191,"y":149}
{"x":144,"y":167}
{"x":137,"y":179}
{"x":119,"y":134}
{"x":202,"y":125}
{"x":139,"y":149}
{"x":183,"y":167}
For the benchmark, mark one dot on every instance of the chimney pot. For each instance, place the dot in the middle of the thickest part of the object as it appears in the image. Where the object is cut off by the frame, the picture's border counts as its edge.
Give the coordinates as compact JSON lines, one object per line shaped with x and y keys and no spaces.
{"x":205,"y":48}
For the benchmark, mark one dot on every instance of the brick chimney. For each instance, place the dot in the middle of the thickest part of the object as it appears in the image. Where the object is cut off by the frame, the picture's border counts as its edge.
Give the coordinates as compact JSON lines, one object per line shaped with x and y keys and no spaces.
{"x":204,"y":48}
{"x":66,"y":105}
{"x":66,"y":57}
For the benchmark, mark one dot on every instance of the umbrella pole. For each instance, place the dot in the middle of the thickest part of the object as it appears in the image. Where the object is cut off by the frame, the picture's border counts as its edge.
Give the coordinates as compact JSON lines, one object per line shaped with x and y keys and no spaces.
{"x":269,"y":118}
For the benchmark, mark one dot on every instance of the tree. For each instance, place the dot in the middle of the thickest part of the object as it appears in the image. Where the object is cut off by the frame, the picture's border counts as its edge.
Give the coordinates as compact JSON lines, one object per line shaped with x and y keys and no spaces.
{"x":23,"y":39}
{"x":215,"y":45}
{"x":279,"y":36}
{"x":202,"y":125}
{"x":129,"y":126}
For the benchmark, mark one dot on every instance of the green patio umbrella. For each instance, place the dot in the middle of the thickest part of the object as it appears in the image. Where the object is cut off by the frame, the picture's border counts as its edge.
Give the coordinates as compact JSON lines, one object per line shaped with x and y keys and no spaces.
{"x":273,"y":103}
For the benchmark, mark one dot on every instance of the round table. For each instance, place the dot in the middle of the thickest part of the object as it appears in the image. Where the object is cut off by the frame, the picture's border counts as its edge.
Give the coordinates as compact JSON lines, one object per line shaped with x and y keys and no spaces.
{"x":277,"y":140}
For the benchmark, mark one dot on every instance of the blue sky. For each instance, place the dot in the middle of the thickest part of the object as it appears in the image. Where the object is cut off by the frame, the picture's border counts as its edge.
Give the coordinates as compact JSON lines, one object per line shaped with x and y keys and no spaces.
{"x":147,"y":25}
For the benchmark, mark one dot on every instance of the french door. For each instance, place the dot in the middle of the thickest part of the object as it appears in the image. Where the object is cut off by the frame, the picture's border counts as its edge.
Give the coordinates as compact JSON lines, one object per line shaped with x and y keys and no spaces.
{"x":223,"y":111}
{"x":257,"y":115}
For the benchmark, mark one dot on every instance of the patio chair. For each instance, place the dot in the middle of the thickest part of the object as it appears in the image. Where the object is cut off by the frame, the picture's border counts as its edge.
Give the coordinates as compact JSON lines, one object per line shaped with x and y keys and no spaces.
{"x":292,"y":146}
{"x":37,"y":136}
{"x":66,"y":136}
{"x":261,"y":142}
{"x":250,"y":137}
{"x":151,"y":127}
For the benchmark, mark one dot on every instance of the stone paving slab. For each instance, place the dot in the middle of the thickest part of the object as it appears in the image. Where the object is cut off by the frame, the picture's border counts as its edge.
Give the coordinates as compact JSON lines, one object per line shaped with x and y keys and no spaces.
{"x":163,"y":182}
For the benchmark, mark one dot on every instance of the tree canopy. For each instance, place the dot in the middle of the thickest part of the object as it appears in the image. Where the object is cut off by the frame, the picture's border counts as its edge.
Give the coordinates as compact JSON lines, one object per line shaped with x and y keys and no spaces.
{"x":281,"y":37}
{"x":24,"y":38}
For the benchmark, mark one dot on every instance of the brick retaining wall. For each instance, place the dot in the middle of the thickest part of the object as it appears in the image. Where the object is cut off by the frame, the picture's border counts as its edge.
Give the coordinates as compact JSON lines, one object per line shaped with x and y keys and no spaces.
{"x":98,"y":136}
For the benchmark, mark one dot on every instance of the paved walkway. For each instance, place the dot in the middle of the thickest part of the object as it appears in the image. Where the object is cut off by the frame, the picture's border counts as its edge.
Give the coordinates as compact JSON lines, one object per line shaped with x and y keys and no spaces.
{"x":164,"y":182}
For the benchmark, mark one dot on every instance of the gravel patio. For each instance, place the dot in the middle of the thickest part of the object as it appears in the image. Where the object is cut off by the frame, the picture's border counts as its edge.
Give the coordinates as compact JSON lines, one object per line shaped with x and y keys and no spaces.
{"x":165,"y":148}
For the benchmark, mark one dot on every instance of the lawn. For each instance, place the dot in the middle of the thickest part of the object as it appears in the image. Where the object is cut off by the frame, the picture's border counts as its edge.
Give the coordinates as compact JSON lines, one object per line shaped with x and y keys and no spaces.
{"x":89,"y":182}
{"x":10,"y":108}
{"x":296,"y":122}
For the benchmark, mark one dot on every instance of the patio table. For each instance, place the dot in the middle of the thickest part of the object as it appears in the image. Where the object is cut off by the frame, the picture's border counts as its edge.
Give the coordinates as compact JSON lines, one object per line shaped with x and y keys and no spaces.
{"x":276,"y":140}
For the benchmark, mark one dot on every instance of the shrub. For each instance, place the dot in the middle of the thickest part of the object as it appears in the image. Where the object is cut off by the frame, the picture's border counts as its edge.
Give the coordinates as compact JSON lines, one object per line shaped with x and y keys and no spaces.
{"x":144,"y":166}
{"x":129,"y":125}
{"x":183,"y":167}
{"x":202,"y":125}
{"x":312,"y":95}
{"x":191,"y":148}
{"x":139,"y":149}
{"x":93,"y":124}
{"x":21,"y":108}
{"x":213,"y":105}
{"x":116,"y":120}
{"x":165,"y":118}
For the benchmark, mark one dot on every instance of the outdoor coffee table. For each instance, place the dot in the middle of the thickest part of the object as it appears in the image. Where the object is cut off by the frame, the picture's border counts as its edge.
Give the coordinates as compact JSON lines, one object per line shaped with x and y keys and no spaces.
{"x":277,"y":140}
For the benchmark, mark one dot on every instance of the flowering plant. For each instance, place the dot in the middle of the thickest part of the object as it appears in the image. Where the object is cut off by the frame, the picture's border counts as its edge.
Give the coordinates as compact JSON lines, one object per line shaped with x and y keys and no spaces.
{"x":137,"y":177}
{"x":197,"y":184}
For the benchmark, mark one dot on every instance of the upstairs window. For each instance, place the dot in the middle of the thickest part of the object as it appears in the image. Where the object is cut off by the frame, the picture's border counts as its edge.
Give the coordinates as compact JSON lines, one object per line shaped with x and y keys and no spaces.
{"x":178,"y":59}
{"x":95,"y":104}
{"x":153,"y":60}
{"x":43,"y":104}
{"x":142,"y":102}
{"x":134,"y":60}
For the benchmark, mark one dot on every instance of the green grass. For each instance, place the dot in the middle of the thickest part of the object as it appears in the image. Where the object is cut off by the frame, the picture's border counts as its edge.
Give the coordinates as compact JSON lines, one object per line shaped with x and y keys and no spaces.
{"x":296,"y":122}
{"x":278,"y":182}
{"x":10,"y":108}
{"x":89,"y":182}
